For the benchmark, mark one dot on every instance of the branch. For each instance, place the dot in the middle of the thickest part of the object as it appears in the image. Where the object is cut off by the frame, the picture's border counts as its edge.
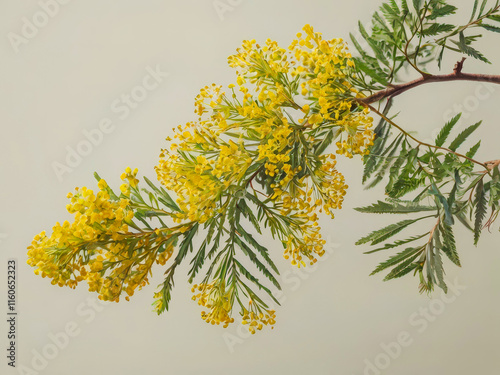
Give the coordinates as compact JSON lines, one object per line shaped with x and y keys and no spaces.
{"x":484,"y":165}
{"x":457,"y":75}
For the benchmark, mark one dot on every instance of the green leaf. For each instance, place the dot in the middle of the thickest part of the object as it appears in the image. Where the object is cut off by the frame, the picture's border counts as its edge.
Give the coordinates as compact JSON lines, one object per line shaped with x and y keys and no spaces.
{"x":383,"y":234}
{"x":449,"y":246}
{"x":480,"y":210}
{"x":394,"y":207}
{"x":247,"y":212}
{"x":437,"y":28}
{"x":404,"y":7}
{"x":164,"y":296}
{"x":365,"y":57}
{"x":494,"y":17}
{"x":261,"y":249}
{"x":446,"y":130}
{"x":417,"y":4}
{"x":443,"y":11}
{"x":474,"y":9}
{"x":395,"y":168}
{"x":187,"y":243}
{"x":495,"y":29}
{"x":472,"y":152}
{"x":253,"y":257}
{"x":397,"y":243}
{"x":462,"y":45}
{"x":379,"y":54}
{"x":256,"y":281}
{"x":452,"y":197}
{"x":441,"y":55}
{"x":385,"y":160}
{"x":391,"y":11}
{"x":437,"y":268}
{"x":483,"y":6}
{"x":403,"y":268}
{"x":327,"y":141}
{"x":376,"y":76}
{"x":464,"y":220}
{"x":444,"y":203}
{"x":405,"y":185}
{"x":163,"y":196}
{"x":197,"y":262}
{"x":398,"y":258}
{"x":462,"y":137}
{"x":382,"y":132}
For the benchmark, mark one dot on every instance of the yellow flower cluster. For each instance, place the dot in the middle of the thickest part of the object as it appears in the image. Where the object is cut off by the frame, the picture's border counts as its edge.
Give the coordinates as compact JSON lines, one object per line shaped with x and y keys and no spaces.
{"x":302,"y":202}
{"x":98,"y":246}
{"x":256,"y":320}
{"x":131,"y":178}
{"x":287,"y":106}
{"x":274,"y":150}
{"x":323,"y":68}
{"x":217,"y":299}
{"x":95,"y":216}
{"x":358,"y":135}
{"x":201,"y":170}
{"x":282,"y":106}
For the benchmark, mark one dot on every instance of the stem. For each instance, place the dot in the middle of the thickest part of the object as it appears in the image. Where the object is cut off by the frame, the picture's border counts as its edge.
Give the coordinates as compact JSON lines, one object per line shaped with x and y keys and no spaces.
{"x":249,"y":182}
{"x":431,"y":236}
{"x":471,"y":23}
{"x":423,"y":143}
{"x":405,"y":52}
{"x":457,"y":75}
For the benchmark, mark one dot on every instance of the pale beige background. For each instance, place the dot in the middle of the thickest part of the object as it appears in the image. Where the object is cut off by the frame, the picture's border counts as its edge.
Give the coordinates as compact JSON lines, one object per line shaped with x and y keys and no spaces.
{"x":64,"y":81}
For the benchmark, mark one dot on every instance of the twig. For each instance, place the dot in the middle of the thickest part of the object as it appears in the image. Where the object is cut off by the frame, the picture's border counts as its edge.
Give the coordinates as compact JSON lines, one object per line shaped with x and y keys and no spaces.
{"x":457,"y":75}
{"x":423,"y":143}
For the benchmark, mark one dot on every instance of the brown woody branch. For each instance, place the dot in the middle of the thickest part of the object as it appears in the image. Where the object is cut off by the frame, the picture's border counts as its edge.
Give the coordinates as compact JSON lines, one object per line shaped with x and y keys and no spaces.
{"x":457,"y":75}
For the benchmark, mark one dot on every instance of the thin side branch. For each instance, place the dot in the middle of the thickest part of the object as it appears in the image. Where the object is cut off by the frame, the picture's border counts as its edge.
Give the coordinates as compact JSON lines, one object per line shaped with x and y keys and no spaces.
{"x":485,"y":166}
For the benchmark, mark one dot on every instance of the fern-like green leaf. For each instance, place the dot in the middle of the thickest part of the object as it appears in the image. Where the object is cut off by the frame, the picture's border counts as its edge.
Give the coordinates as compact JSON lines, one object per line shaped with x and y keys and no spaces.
{"x":462,"y":45}
{"x":480,"y":210}
{"x":261,"y":249}
{"x":442,"y":11}
{"x":253,"y":257}
{"x":474,"y":149}
{"x":383,"y":234}
{"x":462,"y":137}
{"x":437,"y":28}
{"x":398,"y":258}
{"x":449,"y":246}
{"x":495,"y":29}
{"x":397,"y":243}
{"x":403,"y":268}
{"x":394,"y":207}
{"x":446,"y":130}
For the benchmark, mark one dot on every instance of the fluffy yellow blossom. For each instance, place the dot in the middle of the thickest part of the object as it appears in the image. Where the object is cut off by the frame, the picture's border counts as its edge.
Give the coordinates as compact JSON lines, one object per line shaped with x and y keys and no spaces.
{"x":96,"y":246}
{"x":261,"y":151}
{"x":256,"y":319}
{"x":217,"y":299}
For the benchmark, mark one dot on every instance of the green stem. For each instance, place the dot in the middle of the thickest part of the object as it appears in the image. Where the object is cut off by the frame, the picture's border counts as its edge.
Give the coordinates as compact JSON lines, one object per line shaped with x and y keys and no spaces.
{"x":423,"y":143}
